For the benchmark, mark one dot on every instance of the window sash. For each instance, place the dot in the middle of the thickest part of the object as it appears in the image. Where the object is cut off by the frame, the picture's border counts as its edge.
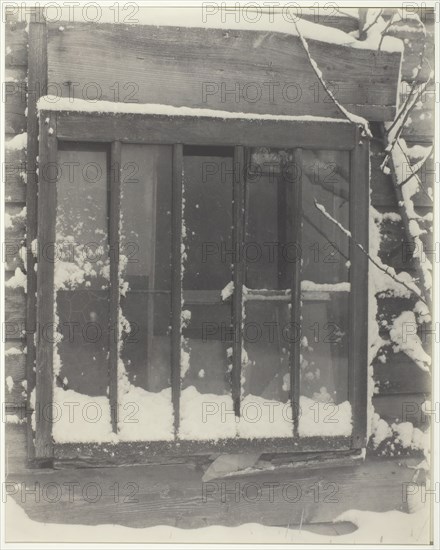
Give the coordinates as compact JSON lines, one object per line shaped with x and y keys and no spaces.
{"x":118,"y":129}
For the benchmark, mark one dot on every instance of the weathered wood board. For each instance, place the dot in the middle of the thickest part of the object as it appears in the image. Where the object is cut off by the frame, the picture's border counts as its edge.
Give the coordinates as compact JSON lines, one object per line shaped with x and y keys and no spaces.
{"x":176,"y":495}
{"x":15,"y":171}
{"x":212,"y":68}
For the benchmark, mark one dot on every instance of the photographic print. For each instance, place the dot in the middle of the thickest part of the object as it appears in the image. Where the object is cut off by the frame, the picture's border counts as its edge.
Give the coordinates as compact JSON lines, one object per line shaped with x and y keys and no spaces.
{"x":219,"y":259}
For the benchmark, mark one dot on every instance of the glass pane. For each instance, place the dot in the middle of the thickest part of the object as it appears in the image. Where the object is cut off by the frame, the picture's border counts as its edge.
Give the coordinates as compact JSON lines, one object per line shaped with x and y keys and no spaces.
{"x":325,"y":248}
{"x":324,"y":405}
{"x":270,"y":251}
{"x":265,"y":380}
{"x":145,"y":282}
{"x":82,"y":271}
{"x":82,"y":295}
{"x":325,"y":292}
{"x":207,"y":312}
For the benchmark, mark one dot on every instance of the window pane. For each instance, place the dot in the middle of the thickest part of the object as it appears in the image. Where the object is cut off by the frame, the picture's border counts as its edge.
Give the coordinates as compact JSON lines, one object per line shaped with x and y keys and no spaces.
{"x":325,"y":295}
{"x":324,"y":246}
{"x":324,"y":405}
{"x":145,"y":265}
{"x":265,"y":380}
{"x":82,"y":271}
{"x":207,"y":313}
{"x":270,"y":251}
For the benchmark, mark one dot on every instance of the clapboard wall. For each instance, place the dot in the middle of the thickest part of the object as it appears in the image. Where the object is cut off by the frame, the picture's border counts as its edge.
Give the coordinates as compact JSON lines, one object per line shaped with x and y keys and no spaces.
{"x":399,"y":380}
{"x":15,"y":88}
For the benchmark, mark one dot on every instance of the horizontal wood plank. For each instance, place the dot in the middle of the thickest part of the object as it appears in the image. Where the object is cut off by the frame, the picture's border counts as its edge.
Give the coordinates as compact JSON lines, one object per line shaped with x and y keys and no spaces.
{"x":15,"y":361}
{"x":15,"y":229}
{"x":15,"y":313}
{"x":15,"y":102}
{"x":199,"y":68}
{"x":402,"y":408}
{"x":160,"y":129}
{"x":176,"y":495}
{"x":400,"y":375}
{"x":16,"y":40}
{"x":15,"y":174}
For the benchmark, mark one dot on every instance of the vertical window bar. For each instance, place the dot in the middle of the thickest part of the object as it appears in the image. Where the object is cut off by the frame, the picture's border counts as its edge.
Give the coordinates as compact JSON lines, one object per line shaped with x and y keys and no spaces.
{"x":295,"y":304}
{"x":47,"y":206}
{"x":114,"y":226}
{"x":237,"y":300}
{"x":358,"y":342}
{"x":176,"y":292}
{"x":37,"y":80}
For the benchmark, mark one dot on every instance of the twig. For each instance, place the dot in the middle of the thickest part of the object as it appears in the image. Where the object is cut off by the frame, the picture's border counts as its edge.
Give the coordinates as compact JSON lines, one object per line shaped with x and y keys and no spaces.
{"x":390,"y":146}
{"x":413,"y":87}
{"x":372,"y":260}
{"x":349,"y":116}
{"x":414,"y":172}
{"x":364,"y":31}
{"x":317,"y":229}
{"x":384,"y":32}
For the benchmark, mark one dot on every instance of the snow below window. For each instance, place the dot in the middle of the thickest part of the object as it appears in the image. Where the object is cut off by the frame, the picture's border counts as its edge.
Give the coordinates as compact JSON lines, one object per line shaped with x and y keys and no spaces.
{"x":143,"y":416}
{"x":211,"y":417}
{"x":324,"y":419}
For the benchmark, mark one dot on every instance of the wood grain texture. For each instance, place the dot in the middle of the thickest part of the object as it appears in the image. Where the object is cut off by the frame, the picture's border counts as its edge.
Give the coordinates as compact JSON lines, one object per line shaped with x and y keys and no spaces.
{"x":15,"y":371}
{"x":15,"y":448}
{"x":191,"y":67}
{"x":37,"y":85}
{"x":358,"y":314}
{"x":15,"y":106}
{"x":400,"y":375}
{"x":15,"y":312}
{"x":15,"y":231}
{"x":114,"y":242}
{"x":238,"y":236}
{"x":176,"y":495}
{"x":15,"y":363}
{"x":176,"y":281}
{"x":296,"y":298}
{"x":47,"y":204}
{"x":16,"y":40}
{"x":15,"y":171}
{"x":160,"y":129}
{"x":144,"y":452}
{"x":402,"y":408}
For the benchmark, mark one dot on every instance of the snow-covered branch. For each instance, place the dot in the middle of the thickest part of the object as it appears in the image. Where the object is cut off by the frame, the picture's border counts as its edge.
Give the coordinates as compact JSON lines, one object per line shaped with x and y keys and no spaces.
{"x":377,"y":263}
{"x":349,"y":116}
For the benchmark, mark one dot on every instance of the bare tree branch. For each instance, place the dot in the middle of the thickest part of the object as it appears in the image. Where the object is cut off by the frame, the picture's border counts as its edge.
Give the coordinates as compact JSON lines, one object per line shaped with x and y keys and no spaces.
{"x":391,"y":145}
{"x":376,"y":19}
{"x":371,"y":259}
{"x":349,"y":116}
{"x":414,"y":172}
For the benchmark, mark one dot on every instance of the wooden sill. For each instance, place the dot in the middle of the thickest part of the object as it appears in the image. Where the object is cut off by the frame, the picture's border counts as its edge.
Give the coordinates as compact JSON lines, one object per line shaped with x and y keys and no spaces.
{"x":136,"y":452}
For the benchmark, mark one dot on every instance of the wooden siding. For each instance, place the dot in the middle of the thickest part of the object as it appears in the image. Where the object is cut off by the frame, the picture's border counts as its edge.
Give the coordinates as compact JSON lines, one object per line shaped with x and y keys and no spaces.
{"x":15,"y":197}
{"x":190,"y":67}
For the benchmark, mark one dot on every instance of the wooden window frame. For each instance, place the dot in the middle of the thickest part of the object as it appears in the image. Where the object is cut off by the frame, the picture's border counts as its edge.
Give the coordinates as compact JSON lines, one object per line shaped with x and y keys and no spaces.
{"x":241,"y":133}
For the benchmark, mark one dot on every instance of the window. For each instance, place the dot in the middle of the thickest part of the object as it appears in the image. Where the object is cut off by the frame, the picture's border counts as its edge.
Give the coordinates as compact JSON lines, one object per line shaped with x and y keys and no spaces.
{"x":201,"y":294}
